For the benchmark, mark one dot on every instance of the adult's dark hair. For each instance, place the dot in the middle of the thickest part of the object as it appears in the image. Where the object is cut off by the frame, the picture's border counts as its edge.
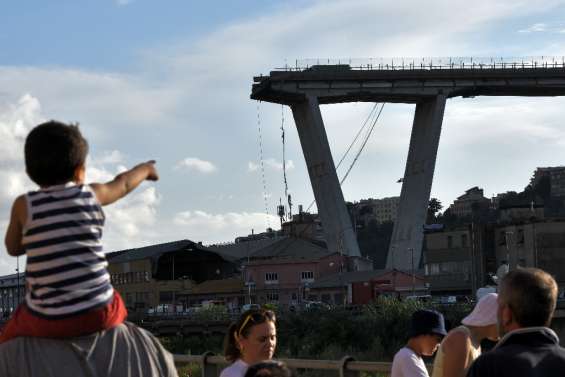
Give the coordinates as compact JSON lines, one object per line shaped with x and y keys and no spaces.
{"x":241,"y":329}
{"x":53,"y":151}
{"x":531,"y":294}
{"x":270,"y":368}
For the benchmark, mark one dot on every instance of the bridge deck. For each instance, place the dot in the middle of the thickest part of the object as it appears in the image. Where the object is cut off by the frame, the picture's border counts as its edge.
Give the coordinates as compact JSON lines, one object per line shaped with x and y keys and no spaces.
{"x":340,"y":83}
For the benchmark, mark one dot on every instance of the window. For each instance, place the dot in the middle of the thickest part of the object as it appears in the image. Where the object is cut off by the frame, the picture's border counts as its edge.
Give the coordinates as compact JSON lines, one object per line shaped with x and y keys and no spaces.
{"x":307,"y":276}
{"x":165,"y":297}
{"x":271,"y":278}
{"x":502,"y":238}
{"x":464,"y":240}
{"x":432,"y":269}
{"x":520,"y":238}
{"x":272,"y":296}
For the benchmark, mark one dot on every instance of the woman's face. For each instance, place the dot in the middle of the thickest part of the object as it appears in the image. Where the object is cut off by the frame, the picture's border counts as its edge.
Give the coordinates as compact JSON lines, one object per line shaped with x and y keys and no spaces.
{"x":260,"y":344}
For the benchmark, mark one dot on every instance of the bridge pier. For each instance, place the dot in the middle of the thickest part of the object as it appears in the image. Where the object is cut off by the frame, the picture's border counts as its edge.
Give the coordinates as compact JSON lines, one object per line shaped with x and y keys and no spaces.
{"x":340,"y":235}
{"x":405,"y":248}
{"x":426,"y":85}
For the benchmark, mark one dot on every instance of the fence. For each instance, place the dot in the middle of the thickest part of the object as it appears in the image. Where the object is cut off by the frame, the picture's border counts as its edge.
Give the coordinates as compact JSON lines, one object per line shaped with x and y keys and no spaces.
{"x":211,"y":365}
{"x":431,"y":63}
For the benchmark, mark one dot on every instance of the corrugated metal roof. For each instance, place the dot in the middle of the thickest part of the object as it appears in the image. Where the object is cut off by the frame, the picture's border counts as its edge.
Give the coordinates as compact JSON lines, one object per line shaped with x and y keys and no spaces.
{"x":155,"y":251}
{"x":232,"y":285}
{"x":291,"y":248}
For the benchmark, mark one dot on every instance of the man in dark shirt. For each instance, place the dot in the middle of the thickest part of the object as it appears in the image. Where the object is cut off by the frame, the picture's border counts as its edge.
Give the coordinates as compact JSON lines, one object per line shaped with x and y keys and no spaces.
{"x":526,"y":302}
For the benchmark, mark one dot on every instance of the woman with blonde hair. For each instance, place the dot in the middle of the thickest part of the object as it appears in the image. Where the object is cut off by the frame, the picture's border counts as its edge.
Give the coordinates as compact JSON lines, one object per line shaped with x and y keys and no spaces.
{"x":250,"y":340}
{"x":462,"y":345}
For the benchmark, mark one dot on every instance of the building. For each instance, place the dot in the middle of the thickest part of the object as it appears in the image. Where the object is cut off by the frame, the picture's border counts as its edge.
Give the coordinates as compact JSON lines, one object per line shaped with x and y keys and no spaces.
{"x":457,"y":261}
{"x":12,"y":293}
{"x":556,"y":177}
{"x":243,"y":247}
{"x":282,"y":272}
{"x":166,"y":274}
{"x":362,"y":287}
{"x":533,"y":244}
{"x":380,"y":210}
{"x":472,"y":200}
{"x":305,"y":225}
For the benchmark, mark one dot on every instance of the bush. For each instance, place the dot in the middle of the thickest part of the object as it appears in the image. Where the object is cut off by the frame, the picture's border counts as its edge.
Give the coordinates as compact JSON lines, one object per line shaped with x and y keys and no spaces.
{"x":375,"y":333}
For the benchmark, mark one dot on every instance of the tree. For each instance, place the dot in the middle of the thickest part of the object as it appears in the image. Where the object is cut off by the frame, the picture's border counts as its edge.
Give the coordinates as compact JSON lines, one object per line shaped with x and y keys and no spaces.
{"x":434,"y":206}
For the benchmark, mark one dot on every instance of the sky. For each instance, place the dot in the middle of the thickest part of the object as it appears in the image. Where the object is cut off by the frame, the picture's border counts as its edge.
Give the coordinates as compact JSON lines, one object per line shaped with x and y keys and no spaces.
{"x":171,"y":81}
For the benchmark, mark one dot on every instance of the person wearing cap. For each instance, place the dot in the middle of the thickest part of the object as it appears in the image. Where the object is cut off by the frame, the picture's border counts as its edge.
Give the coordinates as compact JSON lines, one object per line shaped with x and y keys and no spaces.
{"x":462,"y":345}
{"x":528,"y":347}
{"x":427,"y":329}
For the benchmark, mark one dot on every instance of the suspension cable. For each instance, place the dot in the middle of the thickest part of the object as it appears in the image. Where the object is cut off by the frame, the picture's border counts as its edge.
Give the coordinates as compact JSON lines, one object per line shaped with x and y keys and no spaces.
{"x":284,"y":164}
{"x":260,"y":136}
{"x":362,"y":145}
{"x":370,"y":116}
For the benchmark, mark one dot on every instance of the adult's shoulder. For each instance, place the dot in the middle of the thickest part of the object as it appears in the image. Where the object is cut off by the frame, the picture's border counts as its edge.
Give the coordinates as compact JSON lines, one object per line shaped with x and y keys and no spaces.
{"x":115,"y":352}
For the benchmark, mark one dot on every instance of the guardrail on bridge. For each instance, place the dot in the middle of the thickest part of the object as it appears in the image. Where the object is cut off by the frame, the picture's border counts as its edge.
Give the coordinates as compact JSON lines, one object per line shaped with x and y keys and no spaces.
{"x":211,"y":365}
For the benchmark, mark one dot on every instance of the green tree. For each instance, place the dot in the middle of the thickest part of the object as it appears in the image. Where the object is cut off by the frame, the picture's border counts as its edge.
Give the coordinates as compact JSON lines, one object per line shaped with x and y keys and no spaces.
{"x":434,"y":207}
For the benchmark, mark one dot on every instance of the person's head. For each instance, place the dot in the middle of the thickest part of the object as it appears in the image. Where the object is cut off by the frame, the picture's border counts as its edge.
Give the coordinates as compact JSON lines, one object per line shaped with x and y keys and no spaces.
{"x":427,"y":329}
{"x":484,"y":316}
{"x":526,"y":298}
{"x":252,"y":338}
{"x":55,"y":153}
{"x":269,"y":368}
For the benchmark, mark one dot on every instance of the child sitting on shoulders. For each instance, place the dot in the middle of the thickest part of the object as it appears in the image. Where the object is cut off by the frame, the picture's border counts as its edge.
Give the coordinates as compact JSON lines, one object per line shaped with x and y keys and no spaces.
{"x":59,"y":229}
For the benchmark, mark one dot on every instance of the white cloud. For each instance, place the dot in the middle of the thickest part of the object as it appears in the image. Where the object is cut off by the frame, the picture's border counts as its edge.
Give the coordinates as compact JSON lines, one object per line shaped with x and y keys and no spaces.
{"x":14,"y":183}
{"x":535,"y":28}
{"x":271,"y":164}
{"x":131,"y":220}
{"x":15,"y":122}
{"x":196,"y":164}
{"x":252,"y":167}
{"x":124,"y":2}
{"x":202,"y":225}
{"x":110,"y":157}
{"x":16,"y":119}
{"x":103,"y":103}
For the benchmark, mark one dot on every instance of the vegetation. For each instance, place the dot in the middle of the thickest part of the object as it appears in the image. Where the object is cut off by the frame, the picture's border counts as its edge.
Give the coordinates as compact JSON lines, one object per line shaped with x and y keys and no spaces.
{"x":373,"y":333}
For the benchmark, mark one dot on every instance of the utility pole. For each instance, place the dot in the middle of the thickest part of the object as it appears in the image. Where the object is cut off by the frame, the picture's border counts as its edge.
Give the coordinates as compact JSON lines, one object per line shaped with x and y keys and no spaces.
{"x":413,"y":275}
{"x":511,"y":265}
{"x":174,"y":303}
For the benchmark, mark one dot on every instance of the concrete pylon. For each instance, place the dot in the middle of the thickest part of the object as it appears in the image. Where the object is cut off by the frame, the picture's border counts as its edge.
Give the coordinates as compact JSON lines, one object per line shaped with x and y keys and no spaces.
{"x":405,"y":249}
{"x":340,"y":235}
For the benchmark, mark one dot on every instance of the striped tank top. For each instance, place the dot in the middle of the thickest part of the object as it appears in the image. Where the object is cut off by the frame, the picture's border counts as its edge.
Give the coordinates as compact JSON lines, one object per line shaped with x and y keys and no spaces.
{"x":66,"y":270}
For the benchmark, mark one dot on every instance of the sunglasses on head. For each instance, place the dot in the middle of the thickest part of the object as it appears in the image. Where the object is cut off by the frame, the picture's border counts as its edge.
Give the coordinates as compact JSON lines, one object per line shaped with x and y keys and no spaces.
{"x":257,"y":317}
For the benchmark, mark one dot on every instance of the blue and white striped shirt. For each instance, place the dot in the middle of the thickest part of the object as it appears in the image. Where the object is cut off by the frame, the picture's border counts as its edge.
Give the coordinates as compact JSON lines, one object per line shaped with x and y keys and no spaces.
{"x":66,"y":268}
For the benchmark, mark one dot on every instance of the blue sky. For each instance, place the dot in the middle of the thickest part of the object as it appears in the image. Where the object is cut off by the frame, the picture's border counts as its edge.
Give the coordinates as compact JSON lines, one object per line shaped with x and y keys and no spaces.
{"x":171,"y":80}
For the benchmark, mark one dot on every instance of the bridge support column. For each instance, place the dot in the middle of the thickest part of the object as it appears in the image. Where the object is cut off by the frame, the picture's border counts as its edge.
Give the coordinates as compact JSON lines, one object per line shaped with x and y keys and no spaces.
{"x":340,"y":235}
{"x":405,"y":249}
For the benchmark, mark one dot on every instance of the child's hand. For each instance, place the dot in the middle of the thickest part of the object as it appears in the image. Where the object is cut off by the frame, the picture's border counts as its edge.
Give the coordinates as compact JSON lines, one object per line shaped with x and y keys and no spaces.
{"x":152,"y":174}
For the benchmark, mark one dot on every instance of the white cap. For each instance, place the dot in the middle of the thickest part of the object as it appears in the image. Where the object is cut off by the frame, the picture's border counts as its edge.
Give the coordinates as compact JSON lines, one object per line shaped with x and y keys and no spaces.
{"x":484,"y":313}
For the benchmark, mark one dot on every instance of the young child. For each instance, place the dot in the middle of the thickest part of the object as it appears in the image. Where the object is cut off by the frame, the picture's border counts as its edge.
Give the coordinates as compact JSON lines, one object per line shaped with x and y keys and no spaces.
{"x":59,"y":228}
{"x":427,"y":329}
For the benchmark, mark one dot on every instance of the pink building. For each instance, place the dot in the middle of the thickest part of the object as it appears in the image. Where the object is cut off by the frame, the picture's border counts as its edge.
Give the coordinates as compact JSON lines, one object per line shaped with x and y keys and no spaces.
{"x":362,"y":287}
{"x":282,"y":272}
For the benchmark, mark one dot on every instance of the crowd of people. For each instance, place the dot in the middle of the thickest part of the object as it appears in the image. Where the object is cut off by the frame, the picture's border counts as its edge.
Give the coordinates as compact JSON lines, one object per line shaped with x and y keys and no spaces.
{"x":517,"y":319}
{"x":71,"y":322}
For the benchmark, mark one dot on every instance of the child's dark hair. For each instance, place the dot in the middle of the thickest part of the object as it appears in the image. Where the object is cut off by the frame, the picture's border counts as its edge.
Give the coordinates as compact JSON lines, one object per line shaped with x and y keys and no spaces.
{"x":242,"y":328}
{"x":53,"y":151}
{"x":269,"y":368}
